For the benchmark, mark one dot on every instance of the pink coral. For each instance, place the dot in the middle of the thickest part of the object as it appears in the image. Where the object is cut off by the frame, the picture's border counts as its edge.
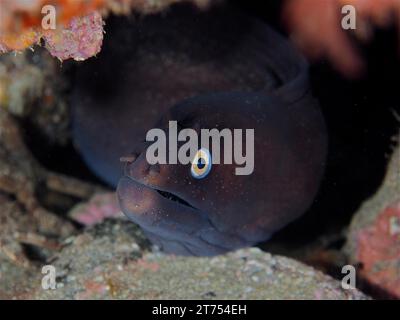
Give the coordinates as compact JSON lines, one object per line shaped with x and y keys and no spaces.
{"x":80,"y":40}
{"x":99,"y":207}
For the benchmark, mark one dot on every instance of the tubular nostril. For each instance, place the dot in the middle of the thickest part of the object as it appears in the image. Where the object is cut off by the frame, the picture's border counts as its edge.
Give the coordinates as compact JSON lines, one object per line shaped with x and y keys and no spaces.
{"x":154,"y":169}
{"x":127,"y":168}
{"x":128,"y":159}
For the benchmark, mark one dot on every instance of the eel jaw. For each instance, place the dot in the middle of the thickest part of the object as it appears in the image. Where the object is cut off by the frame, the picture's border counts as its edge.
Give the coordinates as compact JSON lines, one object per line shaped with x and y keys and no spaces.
{"x":170,"y":222}
{"x":158,"y":211}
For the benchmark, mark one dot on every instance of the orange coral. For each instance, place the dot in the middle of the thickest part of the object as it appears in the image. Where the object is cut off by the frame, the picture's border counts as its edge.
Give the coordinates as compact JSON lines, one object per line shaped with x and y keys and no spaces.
{"x":18,"y":15}
{"x":25,"y":39}
{"x":20,"y":23}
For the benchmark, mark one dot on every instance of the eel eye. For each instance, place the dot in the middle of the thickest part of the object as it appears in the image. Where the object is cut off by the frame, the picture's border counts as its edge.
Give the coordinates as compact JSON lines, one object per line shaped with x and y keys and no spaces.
{"x":201,"y":164}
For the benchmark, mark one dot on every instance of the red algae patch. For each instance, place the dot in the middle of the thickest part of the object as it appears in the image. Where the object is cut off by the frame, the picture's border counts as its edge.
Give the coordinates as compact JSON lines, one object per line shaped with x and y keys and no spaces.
{"x":378,"y":250}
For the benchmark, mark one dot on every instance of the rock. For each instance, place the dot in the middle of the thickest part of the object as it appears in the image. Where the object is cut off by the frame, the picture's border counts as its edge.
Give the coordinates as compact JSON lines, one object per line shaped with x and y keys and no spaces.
{"x":33,"y":88}
{"x":37,"y":232}
{"x":114,"y":261}
{"x":15,"y":280}
{"x":24,"y":178}
{"x":373,"y":242}
{"x":29,"y":230}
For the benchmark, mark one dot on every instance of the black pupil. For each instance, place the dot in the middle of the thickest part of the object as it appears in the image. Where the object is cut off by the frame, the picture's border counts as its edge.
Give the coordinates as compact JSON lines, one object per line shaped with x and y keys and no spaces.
{"x":201,"y":163}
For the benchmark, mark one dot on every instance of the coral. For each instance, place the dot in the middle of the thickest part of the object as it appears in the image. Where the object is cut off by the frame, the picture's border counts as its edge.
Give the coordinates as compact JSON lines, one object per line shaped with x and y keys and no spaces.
{"x":79,"y":25}
{"x":97,"y":209}
{"x":81,"y":39}
{"x":315,"y":26}
{"x":20,"y":23}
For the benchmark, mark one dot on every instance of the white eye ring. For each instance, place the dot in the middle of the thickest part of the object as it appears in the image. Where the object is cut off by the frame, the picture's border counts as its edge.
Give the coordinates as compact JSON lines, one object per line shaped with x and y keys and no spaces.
{"x":201,"y":172}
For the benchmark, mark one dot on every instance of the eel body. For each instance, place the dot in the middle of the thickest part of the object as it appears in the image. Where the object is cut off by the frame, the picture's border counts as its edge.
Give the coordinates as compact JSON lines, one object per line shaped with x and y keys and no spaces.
{"x":215,"y":69}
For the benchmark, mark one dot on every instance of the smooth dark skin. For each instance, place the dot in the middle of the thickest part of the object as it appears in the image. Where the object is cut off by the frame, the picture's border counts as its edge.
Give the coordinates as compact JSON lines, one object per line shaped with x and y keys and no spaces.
{"x":254,"y":80}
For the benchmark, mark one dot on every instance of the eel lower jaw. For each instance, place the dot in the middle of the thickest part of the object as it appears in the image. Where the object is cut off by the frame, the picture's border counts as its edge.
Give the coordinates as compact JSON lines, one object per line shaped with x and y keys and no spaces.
{"x":171,"y":222}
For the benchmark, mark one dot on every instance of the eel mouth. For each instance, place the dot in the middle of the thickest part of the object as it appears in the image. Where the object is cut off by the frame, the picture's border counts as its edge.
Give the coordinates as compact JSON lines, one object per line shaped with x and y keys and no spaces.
{"x":151,"y":191}
{"x":172,"y":197}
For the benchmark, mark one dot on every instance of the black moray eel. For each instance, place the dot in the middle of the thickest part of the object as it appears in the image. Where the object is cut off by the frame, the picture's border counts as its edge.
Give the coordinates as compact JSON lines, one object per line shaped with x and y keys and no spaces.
{"x":214,"y":69}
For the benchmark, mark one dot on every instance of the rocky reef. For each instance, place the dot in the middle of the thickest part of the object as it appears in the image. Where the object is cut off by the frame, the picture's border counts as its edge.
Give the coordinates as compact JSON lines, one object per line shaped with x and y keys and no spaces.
{"x":114,"y":261}
{"x":374,"y":237}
